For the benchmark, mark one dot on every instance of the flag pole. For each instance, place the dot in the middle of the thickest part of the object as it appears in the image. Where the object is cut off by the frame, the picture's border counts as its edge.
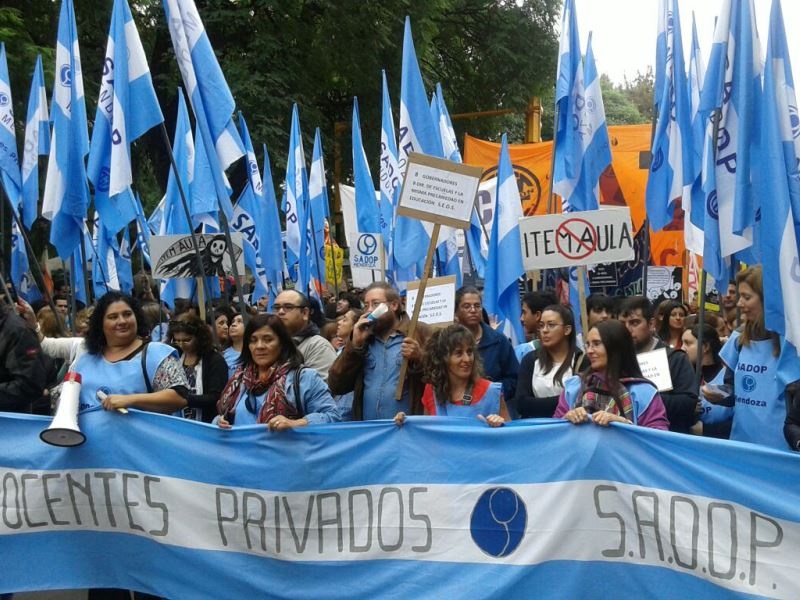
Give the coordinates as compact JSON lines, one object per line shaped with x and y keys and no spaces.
{"x":32,"y":262}
{"x":205,"y":303}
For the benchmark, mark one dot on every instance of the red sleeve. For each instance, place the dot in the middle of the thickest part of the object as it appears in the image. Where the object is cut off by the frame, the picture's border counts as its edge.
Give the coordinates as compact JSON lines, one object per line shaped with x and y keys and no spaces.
{"x":479,"y":390}
{"x":427,"y":400}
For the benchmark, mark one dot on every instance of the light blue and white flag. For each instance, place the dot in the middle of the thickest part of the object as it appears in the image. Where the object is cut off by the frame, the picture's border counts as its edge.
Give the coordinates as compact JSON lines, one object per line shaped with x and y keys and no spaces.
{"x":390,"y":178}
{"x":37,"y":143}
{"x":126,"y":109}
{"x":272,"y":241}
{"x":501,"y":290}
{"x":417,"y":133}
{"x":142,"y":232}
{"x":319,"y":213}
{"x":66,"y":191}
{"x":204,"y":200}
{"x":671,"y":169}
{"x":569,"y":79}
{"x":466,"y":521}
{"x":20,"y":267}
{"x":157,"y":217}
{"x":368,"y":216}
{"x":248,"y":218}
{"x":208,"y":92}
{"x":583,"y":151}
{"x":173,"y":219}
{"x":10,"y":176}
{"x":446,"y":131}
{"x":694,"y":208}
{"x":733,"y":87}
{"x":125,"y":263}
{"x":778,"y":180}
{"x":105,"y":249}
{"x":295,"y":207}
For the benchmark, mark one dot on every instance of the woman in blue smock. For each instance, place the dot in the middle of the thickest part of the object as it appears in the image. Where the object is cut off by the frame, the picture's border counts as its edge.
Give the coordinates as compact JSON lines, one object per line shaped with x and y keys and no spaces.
{"x":760,"y":372}
{"x":455,"y":387}
{"x":120,"y":369}
{"x":270,"y":386}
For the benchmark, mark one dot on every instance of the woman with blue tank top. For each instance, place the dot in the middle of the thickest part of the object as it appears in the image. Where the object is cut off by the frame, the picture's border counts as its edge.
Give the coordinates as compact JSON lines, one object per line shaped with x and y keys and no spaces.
{"x":612,"y":388}
{"x":271,"y":386}
{"x":121,"y":369}
{"x":455,"y":387}
{"x":760,"y":372}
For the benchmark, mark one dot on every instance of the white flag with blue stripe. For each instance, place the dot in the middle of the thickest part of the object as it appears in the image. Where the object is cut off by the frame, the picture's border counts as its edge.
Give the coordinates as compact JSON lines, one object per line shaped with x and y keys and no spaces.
{"x":104,"y":259}
{"x":208,"y":92}
{"x":37,"y":143}
{"x":272,"y":241}
{"x":295,"y":206}
{"x":66,"y":191}
{"x":694,"y":208}
{"x":9,"y":159}
{"x":126,"y":109}
{"x":390,"y":178}
{"x":368,"y":214}
{"x":671,"y":170}
{"x":778,"y":179}
{"x":501,"y":291}
{"x":319,"y":212}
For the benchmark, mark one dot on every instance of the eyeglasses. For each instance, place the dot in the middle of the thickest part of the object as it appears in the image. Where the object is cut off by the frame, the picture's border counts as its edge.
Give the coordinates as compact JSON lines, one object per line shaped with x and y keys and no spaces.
{"x":471,"y":307}
{"x":549,"y":326}
{"x":286,"y":307}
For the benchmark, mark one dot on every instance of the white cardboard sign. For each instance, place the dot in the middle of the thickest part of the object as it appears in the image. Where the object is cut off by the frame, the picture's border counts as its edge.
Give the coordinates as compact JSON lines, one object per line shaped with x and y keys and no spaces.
{"x":655,"y":367}
{"x":439,"y":301}
{"x":574,"y":239}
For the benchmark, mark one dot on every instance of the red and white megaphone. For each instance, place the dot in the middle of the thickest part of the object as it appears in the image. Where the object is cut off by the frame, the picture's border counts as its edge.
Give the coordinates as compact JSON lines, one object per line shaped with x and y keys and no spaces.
{"x":64,"y":430}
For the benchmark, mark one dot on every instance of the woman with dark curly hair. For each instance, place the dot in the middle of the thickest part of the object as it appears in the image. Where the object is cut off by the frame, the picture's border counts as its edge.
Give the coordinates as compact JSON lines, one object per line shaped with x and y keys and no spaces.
{"x":121,"y":368}
{"x":270,"y":386}
{"x":205,"y":368}
{"x":672,"y":324}
{"x":455,"y":388}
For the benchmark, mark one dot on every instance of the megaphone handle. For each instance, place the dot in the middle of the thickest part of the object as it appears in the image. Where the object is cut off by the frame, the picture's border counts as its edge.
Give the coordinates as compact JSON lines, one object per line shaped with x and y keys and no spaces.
{"x":101,"y":395}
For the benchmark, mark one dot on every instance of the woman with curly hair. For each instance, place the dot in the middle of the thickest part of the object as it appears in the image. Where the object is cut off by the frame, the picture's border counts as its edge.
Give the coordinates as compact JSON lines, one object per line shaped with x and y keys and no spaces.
{"x":120,"y":362}
{"x":456,"y":388}
{"x":205,"y":368}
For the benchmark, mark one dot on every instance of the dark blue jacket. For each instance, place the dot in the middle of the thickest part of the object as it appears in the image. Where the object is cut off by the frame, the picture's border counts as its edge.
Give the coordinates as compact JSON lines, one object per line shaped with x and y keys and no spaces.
{"x":499,"y":361}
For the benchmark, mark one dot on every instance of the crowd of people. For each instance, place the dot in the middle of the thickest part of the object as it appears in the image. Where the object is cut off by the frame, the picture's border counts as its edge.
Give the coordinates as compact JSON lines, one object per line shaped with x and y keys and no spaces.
{"x":356,"y":358}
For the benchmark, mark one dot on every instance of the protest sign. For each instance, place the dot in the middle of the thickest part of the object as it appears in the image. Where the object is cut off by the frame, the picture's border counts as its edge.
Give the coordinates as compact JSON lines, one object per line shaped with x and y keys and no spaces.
{"x":173,"y":255}
{"x":655,"y":367}
{"x":439,"y":301}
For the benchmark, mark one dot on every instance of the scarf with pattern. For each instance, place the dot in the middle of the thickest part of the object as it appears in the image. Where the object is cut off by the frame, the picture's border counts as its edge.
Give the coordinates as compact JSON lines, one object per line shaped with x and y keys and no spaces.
{"x":596,"y":395}
{"x":275,"y":387}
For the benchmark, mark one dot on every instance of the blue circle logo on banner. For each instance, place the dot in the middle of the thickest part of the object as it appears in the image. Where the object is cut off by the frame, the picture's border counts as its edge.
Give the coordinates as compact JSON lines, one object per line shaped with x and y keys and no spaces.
{"x":367,"y":244}
{"x":498,"y":521}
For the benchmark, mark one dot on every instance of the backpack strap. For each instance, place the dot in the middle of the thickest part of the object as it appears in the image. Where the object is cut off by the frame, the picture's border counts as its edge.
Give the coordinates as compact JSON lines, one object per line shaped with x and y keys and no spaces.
{"x":298,"y":403}
{"x":144,"y":368}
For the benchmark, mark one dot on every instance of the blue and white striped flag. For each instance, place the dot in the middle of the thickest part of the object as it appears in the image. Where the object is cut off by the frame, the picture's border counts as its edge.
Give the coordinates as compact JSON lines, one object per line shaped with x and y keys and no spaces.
{"x":9,"y":159}
{"x":368,"y":215}
{"x":272,"y":241}
{"x":733,"y":86}
{"x":142,"y":232}
{"x":671,"y":169}
{"x":173,"y":216}
{"x":208,"y":92}
{"x":417,"y":133}
{"x":20,"y":267}
{"x":694,"y":208}
{"x":390,"y":178}
{"x":778,"y":179}
{"x":104,"y":258}
{"x":295,"y":206}
{"x":446,"y":131}
{"x":501,"y":292}
{"x":248,"y":218}
{"x":37,"y":143}
{"x":126,"y":109}
{"x":66,"y":191}
{"x":583,"y":150}
{"x":319,"y":213}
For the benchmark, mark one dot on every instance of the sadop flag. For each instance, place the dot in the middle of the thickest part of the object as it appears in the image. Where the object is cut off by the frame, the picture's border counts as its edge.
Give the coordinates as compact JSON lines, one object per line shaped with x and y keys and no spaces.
{"x":778,"y":179}
{"x":319,"y":212}
{"x":733,"y":88}
{"x":126,"y":109}
{"x":9,"y":159}
{"x":390,"y":179}
{"x":582,"y":150}
{"x":694,"y":208}
{"x":417,"y":133}
{"x":66,"y":191}
{"x":124,"y":262}
{"x":501,"y":292}
{"x":37,"y":143}
{"x":295,"y":206}
{"x":208,"y":92}
{"x":272,"y":241}
{"x":671,"y":170}
{"x":104,"y":259}
{"x":20,"y":267}
{"x":368,"y":214}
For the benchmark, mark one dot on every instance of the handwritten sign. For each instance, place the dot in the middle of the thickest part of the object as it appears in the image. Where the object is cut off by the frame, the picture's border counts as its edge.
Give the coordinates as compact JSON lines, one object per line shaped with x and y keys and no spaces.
{"x":655,"y":367}
{"x":439,"y":301}
{"x":574,"y":239}
{"x":439,"y":191}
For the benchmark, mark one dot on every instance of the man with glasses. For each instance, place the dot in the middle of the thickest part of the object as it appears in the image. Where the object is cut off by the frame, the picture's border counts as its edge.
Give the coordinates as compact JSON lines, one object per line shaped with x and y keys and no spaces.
{"x":370,"y":363}
{"x":291,"y":307}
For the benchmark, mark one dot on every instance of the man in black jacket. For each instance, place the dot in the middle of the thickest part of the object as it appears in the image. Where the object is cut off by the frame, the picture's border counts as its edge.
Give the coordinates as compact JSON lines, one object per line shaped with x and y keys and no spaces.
{"x":23,"y":370}
{"x":636,"y":313}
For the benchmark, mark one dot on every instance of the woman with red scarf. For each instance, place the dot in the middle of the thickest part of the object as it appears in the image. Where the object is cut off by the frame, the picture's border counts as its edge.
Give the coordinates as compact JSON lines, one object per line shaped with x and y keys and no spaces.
{"x":270,"y":386}
{"x":612,"y":389}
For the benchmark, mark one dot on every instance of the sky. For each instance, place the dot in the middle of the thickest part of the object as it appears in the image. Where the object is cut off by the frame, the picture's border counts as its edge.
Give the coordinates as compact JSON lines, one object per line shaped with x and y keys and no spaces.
{"x":624,"y":31}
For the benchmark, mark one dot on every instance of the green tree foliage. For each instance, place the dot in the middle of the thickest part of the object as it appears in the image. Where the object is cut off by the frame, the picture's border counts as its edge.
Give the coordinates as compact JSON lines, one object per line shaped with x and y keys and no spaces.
{"x":639,"y":91}
{"x":619,"y":108}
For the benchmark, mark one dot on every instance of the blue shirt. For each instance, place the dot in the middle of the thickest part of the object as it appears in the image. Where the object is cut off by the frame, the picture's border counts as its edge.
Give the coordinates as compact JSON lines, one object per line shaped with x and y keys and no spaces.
{"x":231,"y":357}
{"x":381,"y":374}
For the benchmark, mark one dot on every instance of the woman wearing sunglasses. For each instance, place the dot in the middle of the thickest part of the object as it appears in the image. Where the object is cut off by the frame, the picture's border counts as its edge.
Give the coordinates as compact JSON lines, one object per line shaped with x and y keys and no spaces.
{"x":270,"y":386}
